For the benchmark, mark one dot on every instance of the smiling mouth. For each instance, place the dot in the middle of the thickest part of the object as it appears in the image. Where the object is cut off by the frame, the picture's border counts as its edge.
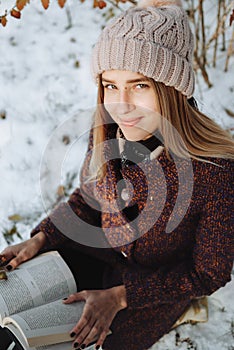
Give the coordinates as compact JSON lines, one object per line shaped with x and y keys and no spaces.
{"x":130,"y":122}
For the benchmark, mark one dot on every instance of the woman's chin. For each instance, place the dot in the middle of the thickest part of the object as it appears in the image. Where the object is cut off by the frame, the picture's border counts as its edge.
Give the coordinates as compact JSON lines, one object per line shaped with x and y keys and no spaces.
{"x":135,"y":134}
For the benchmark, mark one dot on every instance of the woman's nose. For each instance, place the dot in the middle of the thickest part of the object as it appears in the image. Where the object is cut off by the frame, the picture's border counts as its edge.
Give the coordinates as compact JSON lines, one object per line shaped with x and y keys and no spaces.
{"x":125,"y":103}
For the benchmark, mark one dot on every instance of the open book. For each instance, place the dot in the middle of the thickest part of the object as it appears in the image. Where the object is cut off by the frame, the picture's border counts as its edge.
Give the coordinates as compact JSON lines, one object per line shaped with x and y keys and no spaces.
{"x":31,"y":303}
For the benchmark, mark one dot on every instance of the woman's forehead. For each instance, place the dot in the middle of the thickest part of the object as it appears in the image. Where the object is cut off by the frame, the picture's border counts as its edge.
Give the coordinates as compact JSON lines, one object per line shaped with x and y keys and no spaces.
{"x":124,"y":75}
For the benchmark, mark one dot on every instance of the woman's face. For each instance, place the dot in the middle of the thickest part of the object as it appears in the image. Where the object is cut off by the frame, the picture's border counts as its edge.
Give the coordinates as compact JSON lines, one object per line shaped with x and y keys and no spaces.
{"x":131,"y":101}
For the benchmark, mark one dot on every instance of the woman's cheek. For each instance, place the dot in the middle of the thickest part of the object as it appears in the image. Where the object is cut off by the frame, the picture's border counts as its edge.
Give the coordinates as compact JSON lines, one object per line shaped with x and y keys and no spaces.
{"x":111,"y":108}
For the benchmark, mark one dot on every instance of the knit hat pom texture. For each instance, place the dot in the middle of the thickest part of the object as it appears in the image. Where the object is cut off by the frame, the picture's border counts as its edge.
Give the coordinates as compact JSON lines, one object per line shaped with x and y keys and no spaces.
{"x":158,"y":3}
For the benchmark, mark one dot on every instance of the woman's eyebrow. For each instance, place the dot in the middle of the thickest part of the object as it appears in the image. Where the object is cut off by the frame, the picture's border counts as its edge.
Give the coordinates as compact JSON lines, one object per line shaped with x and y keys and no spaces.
{"x":107,"y":81}
{"x":138,"y":80}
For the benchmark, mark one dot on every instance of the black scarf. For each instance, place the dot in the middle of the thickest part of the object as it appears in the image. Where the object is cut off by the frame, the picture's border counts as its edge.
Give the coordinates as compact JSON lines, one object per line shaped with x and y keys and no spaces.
{"x":138,"y":151}
{"x":135,"y":152}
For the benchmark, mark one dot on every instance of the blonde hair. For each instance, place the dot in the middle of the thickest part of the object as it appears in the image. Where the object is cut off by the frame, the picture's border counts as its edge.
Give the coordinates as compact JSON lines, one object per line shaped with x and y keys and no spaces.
{"x":201,"y":136}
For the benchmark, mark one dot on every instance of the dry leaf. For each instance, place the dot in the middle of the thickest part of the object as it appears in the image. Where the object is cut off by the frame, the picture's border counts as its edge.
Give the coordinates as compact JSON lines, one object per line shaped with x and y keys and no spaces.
{"x":95,"y":3}
{"x":15,"y":217}
{"x":2,"y":114}
{"x":20,"y":4}
{"x":3,"y":21}
{"x":66,"y":139}
{"x":61,"y":3}
{"x":15,"y":13}
{"x":60,"y":191}
{"x":101,"y":4}
{"x":77,"y":64}
{"x":229,"y":112}
{"x":45,"y":3}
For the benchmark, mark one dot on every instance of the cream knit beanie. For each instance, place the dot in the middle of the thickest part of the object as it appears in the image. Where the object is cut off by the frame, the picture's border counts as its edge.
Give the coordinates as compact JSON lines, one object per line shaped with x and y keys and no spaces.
{"x":154,"y":39}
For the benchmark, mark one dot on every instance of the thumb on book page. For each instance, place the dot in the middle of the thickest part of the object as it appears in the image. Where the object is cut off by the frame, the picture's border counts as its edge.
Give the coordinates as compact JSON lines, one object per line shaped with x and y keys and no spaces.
{"x":80,"y":296}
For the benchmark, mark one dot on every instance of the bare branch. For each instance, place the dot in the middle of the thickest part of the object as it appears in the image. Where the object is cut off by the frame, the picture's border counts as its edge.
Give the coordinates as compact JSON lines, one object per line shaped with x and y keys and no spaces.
{"x":230,"y":51}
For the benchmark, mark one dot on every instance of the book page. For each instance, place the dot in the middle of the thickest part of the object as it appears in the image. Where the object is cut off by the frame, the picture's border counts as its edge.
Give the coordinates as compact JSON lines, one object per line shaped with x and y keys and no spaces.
{"x":63,"y":346}
{"x":47,"y":324}
{"x":17,"y":333}
{"x":38,"y":281}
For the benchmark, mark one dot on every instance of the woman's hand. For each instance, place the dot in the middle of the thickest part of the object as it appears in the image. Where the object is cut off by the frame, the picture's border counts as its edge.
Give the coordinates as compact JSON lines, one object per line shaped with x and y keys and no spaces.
{"x":100,"y":308}
{"x":18,"y":253}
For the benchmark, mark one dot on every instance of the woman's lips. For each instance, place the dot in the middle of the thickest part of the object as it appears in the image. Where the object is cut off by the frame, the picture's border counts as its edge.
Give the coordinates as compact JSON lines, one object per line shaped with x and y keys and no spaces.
{"x":130,"y":122}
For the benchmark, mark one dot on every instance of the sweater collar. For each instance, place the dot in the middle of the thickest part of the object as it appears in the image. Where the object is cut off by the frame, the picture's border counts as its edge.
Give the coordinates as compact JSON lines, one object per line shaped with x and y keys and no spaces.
{"x":136,"y":152}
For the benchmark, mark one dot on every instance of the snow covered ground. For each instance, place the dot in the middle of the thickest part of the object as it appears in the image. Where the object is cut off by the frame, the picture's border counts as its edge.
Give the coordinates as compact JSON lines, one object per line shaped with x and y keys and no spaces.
{"x":46,"y":94}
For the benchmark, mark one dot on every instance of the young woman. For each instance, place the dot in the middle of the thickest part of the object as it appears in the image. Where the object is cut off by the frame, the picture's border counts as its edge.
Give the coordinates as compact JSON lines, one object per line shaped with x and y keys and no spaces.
{"x":152,"y":217}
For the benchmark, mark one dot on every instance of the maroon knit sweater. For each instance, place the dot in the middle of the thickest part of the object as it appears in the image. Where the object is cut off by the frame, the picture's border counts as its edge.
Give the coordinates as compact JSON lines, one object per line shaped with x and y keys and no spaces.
{"x":184,"y":247}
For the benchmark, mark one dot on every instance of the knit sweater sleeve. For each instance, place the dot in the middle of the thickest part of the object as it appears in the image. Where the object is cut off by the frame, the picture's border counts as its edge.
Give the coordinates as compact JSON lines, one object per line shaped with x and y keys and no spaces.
{"x":78,"y":216}
{"x":211,"y":262}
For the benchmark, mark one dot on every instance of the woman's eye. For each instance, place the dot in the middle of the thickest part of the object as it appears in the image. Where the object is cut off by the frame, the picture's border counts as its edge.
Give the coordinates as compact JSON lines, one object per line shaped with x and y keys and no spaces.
{"x":142,"y":86}
{"x":110,"y":87}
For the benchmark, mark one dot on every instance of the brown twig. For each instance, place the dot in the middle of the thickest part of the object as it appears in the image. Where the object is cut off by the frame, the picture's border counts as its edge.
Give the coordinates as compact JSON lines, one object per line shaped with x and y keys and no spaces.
{"x":230,"y":50}
{"x":203,"y":70}
{"x":203,"y":43}
{"x":216,"y":33}
{"x":223,"y":28}
{"x":197,"y":36}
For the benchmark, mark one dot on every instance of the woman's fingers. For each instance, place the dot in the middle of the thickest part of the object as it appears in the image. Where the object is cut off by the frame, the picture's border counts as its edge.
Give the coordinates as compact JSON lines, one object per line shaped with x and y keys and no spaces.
{"x":15,"y":255}
{"x":13,"y":263}
{"x":86,"y":323}
{"x":82,"y":335}
{"x":100,"y":308}
{"x":75,"y":297}
{"x":82,"y":323}
{"x":101,"y":338}
{"x":96,"y":333}
{"x":18,"y":253}
{"x":90,"y":334}
{"x":6,"y":255}
{"x":3,"y":260}
{"x":85,"y":320}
